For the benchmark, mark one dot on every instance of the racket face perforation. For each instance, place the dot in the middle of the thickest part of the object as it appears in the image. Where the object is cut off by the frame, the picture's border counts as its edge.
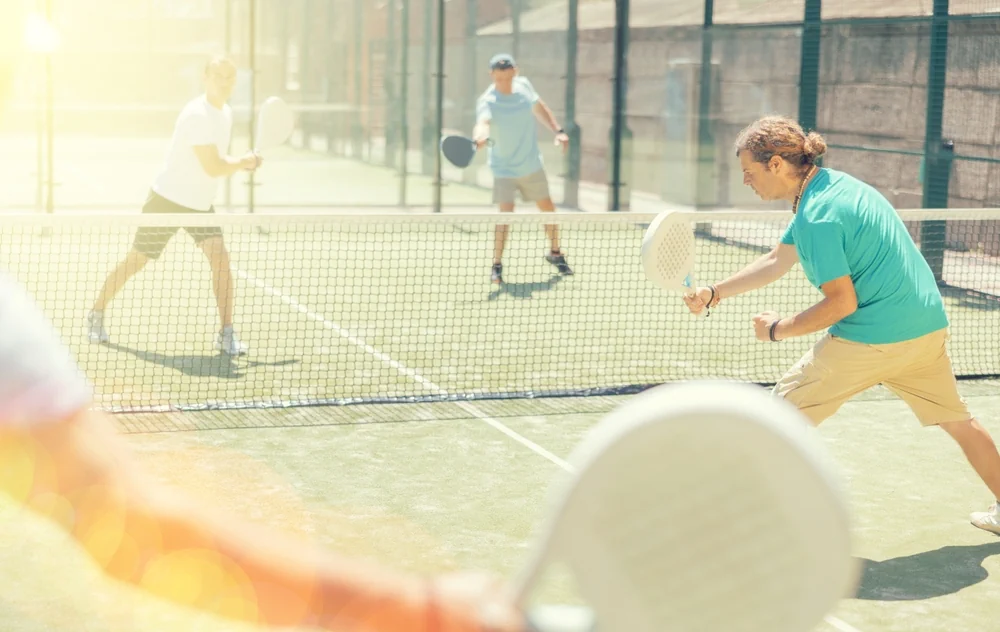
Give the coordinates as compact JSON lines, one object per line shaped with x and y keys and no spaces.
{"x":668,"y":250}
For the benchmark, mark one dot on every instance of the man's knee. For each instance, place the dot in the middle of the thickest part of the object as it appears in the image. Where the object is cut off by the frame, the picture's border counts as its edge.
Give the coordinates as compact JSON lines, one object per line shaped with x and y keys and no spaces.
{"x":135,"y":261}
{"x":215,"y":249}
{"x":962,"y":431}
{"x":546,"y":205}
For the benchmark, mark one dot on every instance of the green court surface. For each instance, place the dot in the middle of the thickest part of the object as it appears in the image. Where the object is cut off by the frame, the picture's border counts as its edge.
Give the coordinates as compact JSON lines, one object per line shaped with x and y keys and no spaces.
{"x":436,"y":487}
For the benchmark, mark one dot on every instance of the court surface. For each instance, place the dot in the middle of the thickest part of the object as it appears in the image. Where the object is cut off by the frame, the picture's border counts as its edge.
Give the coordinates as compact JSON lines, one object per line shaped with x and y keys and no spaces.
{"x":439,"y":487}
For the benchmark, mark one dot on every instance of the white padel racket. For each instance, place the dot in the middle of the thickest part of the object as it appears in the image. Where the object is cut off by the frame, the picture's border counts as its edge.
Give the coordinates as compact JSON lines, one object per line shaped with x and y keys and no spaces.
{"x":275,"y":124}
{"x":701,"y":507}
{"x":668,"y":253}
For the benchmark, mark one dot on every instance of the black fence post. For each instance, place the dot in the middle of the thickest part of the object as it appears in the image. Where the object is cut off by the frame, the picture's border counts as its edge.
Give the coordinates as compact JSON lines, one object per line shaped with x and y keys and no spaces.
{"x":938,"y":153}
{"x":574,"y":157}
{"x":621,"y":136}
{"x":812,"y":33}
{"x":705,"y":174}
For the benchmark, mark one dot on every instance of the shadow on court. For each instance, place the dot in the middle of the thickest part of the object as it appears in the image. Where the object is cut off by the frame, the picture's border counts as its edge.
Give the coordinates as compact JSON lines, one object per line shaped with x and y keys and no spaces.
{"x":925,"y":575}
{"x":971,"y":299}
{"x":525,"y":290}
{"x":218,"y":365}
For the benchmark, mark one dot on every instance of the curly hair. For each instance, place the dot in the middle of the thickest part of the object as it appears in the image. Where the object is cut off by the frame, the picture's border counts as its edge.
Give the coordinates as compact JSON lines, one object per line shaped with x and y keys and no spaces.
{"x":781,"y":136}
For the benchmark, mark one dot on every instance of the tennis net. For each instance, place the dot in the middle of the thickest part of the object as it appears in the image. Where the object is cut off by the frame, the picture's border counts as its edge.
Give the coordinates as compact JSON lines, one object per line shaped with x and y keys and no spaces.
{"x":340,"y":309}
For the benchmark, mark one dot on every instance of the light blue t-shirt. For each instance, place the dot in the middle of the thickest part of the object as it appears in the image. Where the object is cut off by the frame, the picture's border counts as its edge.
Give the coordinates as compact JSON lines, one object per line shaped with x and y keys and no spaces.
{"x":846,"y":227}
{"x":513,"y":129}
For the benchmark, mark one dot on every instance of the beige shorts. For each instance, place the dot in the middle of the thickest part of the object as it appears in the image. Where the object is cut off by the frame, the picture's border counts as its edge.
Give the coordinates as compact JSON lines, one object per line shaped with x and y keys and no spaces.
{"x":918,"y":371}
{"x":533,"y":188}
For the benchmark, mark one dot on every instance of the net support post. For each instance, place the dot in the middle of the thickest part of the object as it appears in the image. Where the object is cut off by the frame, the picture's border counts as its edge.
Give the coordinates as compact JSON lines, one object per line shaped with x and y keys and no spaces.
{"x":50,"y":134}
{"x":389,"y":86}
{"x":428,"y":145}
{"x":252,"y":53}
{"x":366,"y":130}
{"x":470,"y":175}
{"x":621,"y":137}
{"x":938,"y":153}
{"x":933,"y":233}
{"x":574,"y":157}
{"x":705,"y":178}
{"x":357,"y":134}
{"x":812,"y":32}
{"x":515,"y":27}
{"x":307,"y":90}
{"x":404,"y":110}
{"x":439,"y":104}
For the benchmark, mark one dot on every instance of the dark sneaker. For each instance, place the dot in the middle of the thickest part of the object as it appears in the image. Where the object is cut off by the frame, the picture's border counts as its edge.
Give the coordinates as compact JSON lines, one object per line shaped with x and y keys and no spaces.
{"x":559,"y":261}
{"x":497,"y":274}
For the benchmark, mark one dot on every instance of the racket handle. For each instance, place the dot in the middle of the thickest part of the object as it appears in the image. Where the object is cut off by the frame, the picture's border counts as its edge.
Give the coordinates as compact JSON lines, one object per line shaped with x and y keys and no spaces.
{"x":561,"y":619}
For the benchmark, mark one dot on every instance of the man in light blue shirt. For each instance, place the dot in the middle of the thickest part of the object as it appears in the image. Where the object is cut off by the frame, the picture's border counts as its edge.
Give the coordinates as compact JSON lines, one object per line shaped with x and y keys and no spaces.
{"x":505,"y":118}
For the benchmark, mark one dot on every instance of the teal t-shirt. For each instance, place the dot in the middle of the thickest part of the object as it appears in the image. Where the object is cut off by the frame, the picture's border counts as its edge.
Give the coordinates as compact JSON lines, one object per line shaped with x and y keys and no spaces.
{"x":846,"y":227}
{"x":513,"y":130}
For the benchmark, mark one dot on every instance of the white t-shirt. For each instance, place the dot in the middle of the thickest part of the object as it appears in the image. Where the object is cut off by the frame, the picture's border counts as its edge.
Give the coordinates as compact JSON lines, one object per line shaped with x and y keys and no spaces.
{"x":183,"y":180}
{"x":39,"y":381}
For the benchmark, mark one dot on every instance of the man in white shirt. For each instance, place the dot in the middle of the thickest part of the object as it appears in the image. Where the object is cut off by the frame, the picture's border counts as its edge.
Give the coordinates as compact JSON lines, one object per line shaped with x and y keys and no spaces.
{"x":188,"y":183}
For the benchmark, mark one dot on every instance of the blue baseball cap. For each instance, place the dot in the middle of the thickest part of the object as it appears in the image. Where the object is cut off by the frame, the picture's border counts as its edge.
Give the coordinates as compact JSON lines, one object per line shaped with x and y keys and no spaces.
{"x":503,"y":61}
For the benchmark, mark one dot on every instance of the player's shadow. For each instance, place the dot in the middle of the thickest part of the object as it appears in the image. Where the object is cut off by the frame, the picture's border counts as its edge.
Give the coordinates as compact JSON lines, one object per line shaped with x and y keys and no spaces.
{"x":925,"y":575}
{"x":525,"y":290}
{"x":971,"y":299}
{"x":218,"y":365}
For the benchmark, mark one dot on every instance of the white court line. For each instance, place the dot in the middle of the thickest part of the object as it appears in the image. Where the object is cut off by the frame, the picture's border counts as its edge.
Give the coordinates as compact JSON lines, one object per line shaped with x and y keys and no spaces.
{"x":473,"y":410}
{"x":841,"y":625}
{"x":402,"y":368}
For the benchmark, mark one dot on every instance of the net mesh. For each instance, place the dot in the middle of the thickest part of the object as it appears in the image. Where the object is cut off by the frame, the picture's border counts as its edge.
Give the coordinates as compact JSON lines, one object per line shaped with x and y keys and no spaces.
{"x":378,"y":308}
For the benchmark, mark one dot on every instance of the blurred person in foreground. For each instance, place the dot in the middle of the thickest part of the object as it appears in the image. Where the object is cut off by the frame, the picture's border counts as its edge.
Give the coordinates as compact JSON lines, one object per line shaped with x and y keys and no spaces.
{"x":64,"y":461}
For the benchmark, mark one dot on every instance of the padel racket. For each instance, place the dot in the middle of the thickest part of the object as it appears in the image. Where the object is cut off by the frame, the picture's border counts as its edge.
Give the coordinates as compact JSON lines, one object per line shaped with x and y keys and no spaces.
{"x":699,"y":507}
{"x":275,"y":124}
{"x":459,"y":150}
{"x":668,"y":253}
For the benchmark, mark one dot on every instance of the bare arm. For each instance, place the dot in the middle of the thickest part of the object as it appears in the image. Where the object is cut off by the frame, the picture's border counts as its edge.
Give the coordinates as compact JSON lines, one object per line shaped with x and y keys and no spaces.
{"x":544,"y":114}
{"x":839,"y":301}
{"x":764,"y":271}
{"x":80,"y":474}
{"x":219,"y":166}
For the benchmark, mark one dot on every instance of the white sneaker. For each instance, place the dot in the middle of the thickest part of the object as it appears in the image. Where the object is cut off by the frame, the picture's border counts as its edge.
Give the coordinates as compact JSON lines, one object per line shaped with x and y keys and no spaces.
{"x":229,"y":343}
{"x":988,"y":520}
{"x":95,"y":328}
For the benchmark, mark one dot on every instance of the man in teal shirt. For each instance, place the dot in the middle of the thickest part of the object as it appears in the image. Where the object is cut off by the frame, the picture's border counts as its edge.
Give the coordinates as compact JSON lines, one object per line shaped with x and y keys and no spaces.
{"x":844,"y":227}
{"x":886,"y":319}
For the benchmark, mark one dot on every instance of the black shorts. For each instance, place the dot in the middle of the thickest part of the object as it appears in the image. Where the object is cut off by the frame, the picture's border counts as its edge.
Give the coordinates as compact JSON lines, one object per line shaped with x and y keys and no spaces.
{"x":151,"y":241}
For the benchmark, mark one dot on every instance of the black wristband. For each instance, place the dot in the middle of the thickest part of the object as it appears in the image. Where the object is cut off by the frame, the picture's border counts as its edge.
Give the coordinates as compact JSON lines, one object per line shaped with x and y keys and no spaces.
{"x":771,"y":331}
{"x":560,"y":131}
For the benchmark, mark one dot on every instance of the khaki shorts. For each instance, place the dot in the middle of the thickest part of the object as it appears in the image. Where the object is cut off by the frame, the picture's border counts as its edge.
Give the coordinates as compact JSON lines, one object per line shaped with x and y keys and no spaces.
{"x":533,"y":188}
{"x":918,"y":371}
